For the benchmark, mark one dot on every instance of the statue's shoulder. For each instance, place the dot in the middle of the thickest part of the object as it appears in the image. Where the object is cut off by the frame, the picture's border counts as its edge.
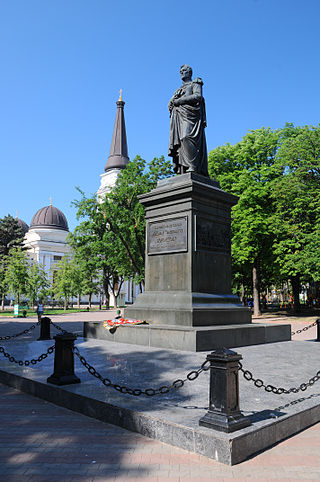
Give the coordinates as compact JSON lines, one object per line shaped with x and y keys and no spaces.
{"x":198,"y":80}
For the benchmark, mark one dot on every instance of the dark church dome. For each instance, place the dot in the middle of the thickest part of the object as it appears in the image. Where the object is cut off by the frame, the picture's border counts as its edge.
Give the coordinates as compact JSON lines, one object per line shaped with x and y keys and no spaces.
{"x":49,"y":217}
{"x":23,"y":225}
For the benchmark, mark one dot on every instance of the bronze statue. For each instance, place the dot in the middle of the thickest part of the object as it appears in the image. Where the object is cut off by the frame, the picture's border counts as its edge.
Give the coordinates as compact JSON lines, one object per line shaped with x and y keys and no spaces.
{"x":187,"y":141}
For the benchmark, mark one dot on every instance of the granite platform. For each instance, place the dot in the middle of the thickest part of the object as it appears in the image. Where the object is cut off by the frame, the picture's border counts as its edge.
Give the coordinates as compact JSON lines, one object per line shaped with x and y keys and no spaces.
{"x":173,"y":418}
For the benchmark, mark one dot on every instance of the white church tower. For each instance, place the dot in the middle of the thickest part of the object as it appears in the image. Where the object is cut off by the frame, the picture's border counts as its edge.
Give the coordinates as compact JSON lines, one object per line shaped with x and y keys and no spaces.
{"x":118,"y":157}
{"x":117,"y":160}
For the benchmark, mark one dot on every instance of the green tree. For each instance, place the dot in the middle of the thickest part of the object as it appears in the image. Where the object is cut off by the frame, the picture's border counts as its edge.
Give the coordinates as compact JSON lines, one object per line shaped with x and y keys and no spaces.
{"x":65,"y":280}
{"x":16,"y":276}
{"x":11,"y":235}
{"x":90,"y":281}
{"x":38,"y":283}
{"x":247,"y":170}
{"x":3,"y":283}
{"x":296,"y":198}
{"x":91,"y":241}
{"x":84,"y":257}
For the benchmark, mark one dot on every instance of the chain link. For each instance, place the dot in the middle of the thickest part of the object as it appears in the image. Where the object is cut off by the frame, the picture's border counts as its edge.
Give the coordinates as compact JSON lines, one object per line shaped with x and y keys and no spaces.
{"x":303,"y":329}
{"x":24,"y":332}
{"x":26,"y":363}
{"x":57,"y":327}
{"x":149,"y":392}
{"x":278,"y":390}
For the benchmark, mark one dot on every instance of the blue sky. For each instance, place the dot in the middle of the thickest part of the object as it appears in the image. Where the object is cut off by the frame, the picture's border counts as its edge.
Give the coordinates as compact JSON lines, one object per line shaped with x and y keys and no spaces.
{"x":64,"y":61}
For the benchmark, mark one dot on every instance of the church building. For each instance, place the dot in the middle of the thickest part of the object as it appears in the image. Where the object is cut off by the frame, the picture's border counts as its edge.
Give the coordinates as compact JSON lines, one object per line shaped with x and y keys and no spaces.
{"x":117,"y":160}
{"x":46,"y":239}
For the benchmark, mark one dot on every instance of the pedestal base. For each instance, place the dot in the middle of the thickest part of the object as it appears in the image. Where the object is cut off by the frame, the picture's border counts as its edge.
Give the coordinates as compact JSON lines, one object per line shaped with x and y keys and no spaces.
{"x":63,"y":379}
{"x":224,"y":423}
{"x":191,"y":338}
{"x":180,"y":308}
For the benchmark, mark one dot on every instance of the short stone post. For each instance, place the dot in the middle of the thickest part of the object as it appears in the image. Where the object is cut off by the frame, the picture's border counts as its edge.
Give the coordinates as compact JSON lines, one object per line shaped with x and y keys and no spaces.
{"x":44,"y":328}
{"x":64,"y":360}
{"x":224,"y":412}
{"x":318,"y":329}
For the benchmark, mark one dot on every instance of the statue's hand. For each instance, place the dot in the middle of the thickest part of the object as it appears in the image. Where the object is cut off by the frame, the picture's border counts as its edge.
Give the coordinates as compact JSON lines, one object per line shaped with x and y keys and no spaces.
{"x":177,"y":102}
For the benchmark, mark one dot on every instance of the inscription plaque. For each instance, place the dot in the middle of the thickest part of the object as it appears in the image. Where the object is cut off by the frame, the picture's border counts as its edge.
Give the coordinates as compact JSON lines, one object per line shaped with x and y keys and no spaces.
{"x":212,"y":236}
{"x":169,"y":236}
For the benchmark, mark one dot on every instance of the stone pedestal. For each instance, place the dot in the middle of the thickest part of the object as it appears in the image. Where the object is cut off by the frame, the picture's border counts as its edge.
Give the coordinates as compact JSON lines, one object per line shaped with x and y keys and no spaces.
{"x":188,"y":260}
{"x":44,"y":328}
{"x":64,"y":361}
{"x":224,"y":412}
{"x":188,"y":299}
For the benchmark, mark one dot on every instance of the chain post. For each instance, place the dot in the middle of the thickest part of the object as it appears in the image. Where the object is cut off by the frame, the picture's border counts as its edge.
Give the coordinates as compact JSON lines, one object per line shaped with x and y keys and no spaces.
{"x":64,"y":360}
{"x":224,"y":412}
{"x":318,"y":329}
{"x":44,"y":328}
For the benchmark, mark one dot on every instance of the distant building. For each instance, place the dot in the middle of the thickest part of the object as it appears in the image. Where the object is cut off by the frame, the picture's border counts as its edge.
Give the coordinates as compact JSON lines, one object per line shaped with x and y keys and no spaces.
{"x":46,"y":239}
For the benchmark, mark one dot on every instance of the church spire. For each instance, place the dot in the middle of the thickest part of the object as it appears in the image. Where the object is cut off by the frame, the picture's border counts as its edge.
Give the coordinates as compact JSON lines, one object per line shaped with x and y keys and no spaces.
{"x":118,"y":157}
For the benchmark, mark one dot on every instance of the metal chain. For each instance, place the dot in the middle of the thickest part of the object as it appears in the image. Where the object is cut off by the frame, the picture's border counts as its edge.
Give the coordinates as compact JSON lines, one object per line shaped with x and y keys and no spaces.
{"x":150,"y":392}
{"x":303,"y":329}
{"x":278,"y":391}
{"x":24,"y":332}
{"x":58,"y":327}
{"x":26,"y":363}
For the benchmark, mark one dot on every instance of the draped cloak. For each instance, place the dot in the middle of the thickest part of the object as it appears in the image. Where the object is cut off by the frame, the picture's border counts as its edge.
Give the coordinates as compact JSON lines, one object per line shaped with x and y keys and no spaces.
{"x":187,"y":141}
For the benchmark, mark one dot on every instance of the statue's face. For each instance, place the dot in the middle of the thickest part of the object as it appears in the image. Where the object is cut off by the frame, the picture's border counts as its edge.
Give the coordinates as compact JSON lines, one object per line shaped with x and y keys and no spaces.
{"x":185,"y":72}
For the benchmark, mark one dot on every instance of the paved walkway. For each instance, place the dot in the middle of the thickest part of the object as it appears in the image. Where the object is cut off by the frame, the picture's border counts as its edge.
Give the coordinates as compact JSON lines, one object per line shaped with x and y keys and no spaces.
{"x":40,"y":441}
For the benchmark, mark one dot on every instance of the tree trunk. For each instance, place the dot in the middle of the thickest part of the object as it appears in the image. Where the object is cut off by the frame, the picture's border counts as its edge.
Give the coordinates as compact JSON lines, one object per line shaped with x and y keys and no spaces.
{"x":79,"y":296}
{"x":65,"y":304}
{"x":105,"y":282}
{"x":90,"y":297}
{"x":2,"y":302}
{"x":242,"y":295}
{"x":107,"y":299}
{"x":295,"y":282}
{"x":256,"y":288}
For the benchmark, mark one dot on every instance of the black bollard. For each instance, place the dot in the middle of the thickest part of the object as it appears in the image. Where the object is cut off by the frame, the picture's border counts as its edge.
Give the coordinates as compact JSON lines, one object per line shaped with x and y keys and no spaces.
{"x":44,"y":328}
{"x":64,"y":361}
{"x":224,"y":412}
{"x":318,"y":329}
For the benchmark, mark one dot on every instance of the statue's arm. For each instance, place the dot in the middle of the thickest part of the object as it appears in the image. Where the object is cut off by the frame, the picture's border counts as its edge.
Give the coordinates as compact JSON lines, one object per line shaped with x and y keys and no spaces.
{"x":191,"y":99}
{"x":173,"y":98}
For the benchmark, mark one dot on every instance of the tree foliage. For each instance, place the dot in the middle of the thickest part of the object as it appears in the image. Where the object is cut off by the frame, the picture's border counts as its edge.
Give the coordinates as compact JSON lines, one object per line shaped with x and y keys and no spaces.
{"x":65,"y":280}
{"x":11,"y":235}
{"x":296,"y":202}
{"x":37,"y":283}
{"x":246,"y":170}
{"x":16,"y":275}
{"x":276,"y":222}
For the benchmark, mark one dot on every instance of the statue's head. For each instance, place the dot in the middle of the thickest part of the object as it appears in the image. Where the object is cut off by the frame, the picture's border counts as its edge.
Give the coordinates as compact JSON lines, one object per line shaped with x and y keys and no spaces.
{"x":185,"y":72}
